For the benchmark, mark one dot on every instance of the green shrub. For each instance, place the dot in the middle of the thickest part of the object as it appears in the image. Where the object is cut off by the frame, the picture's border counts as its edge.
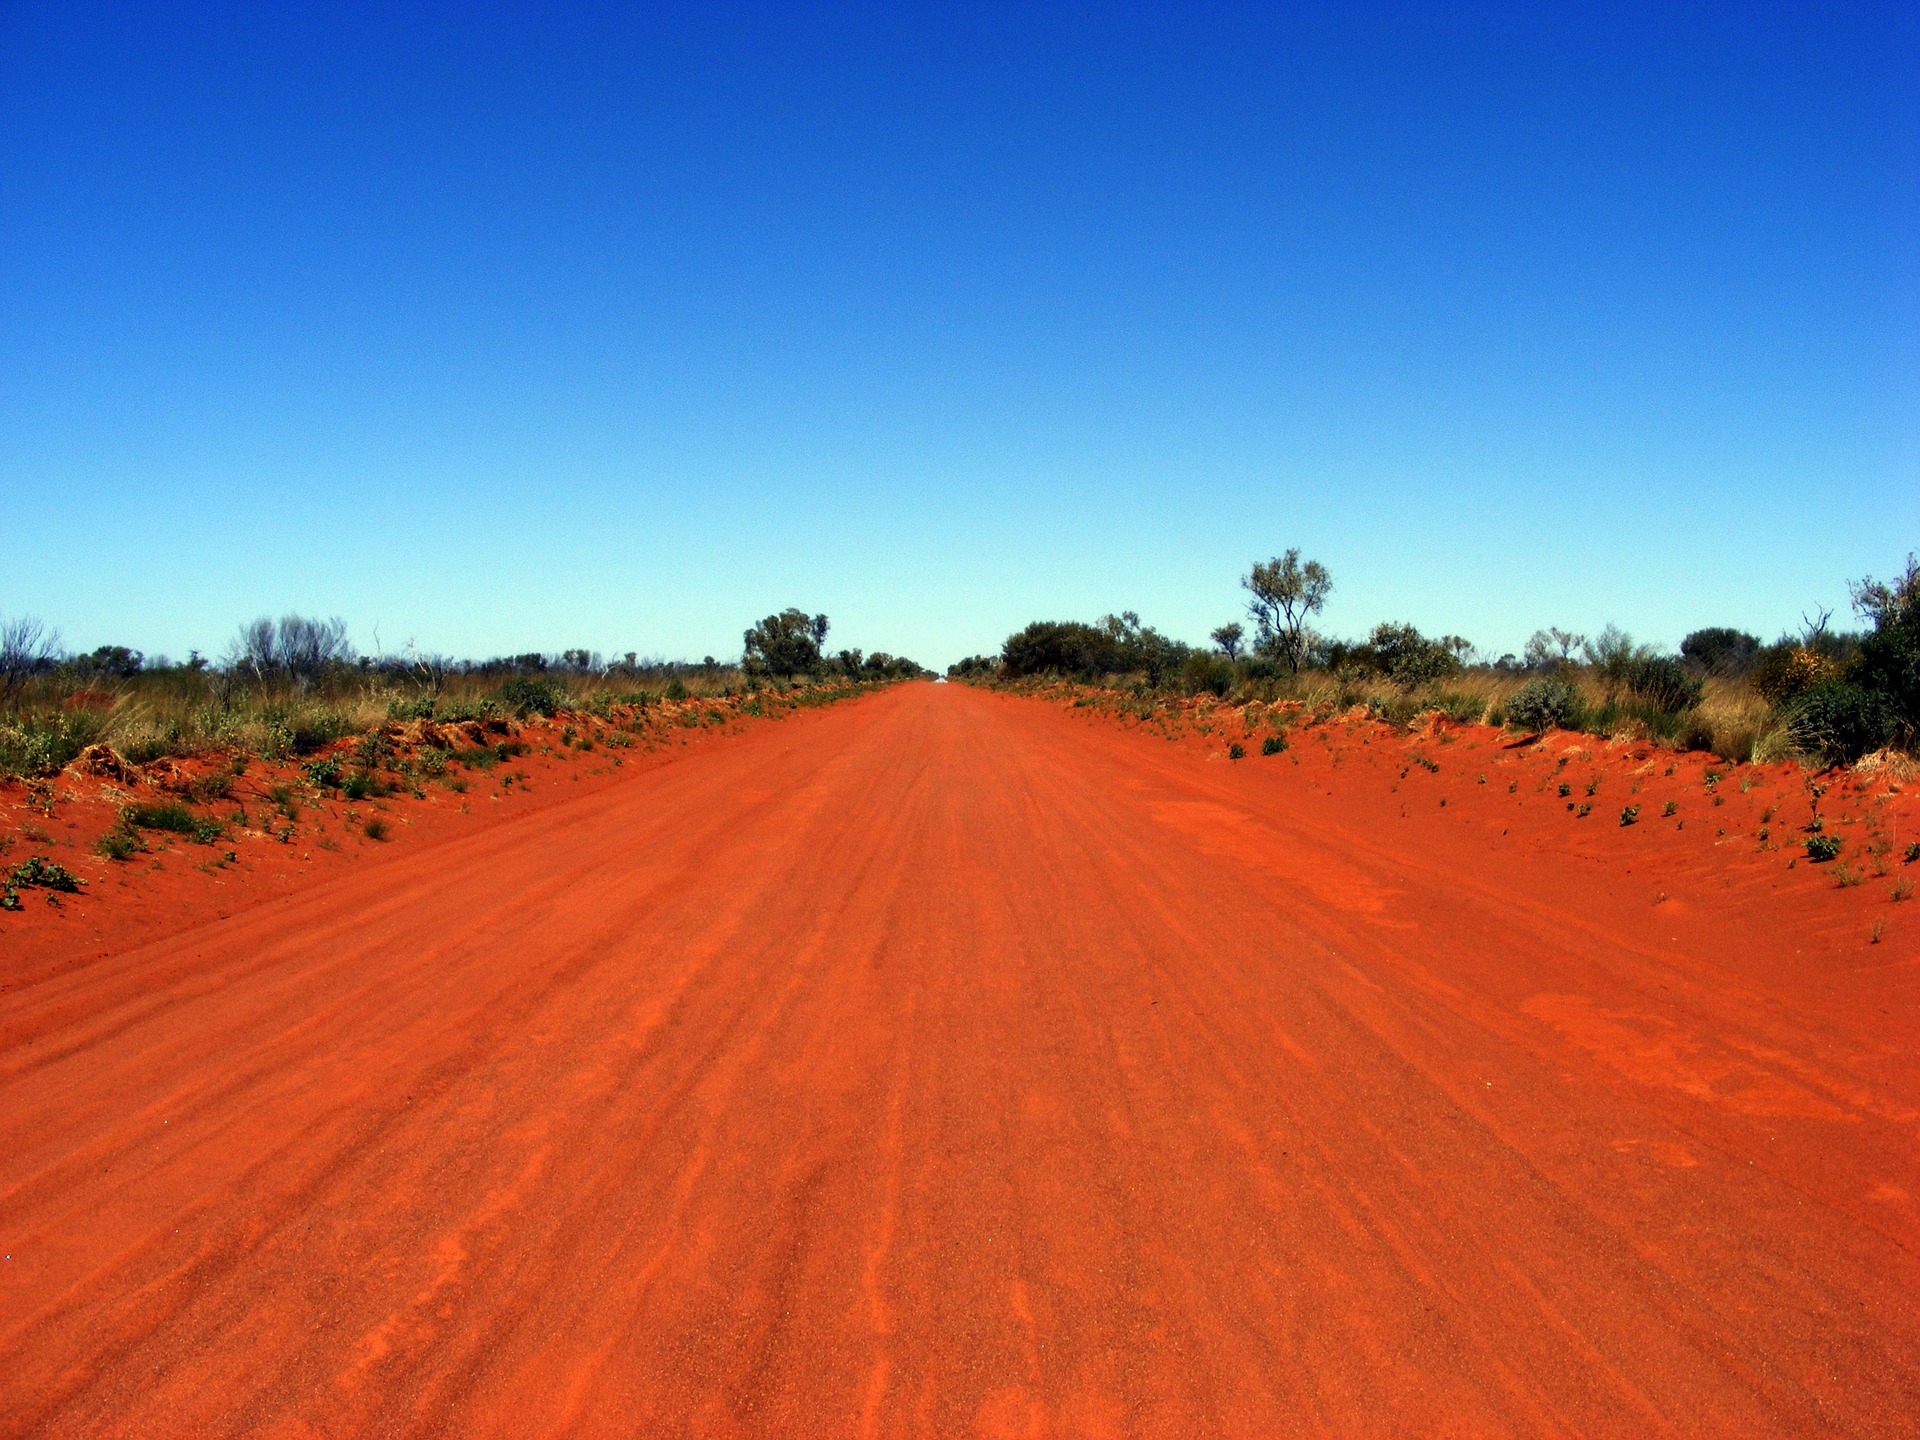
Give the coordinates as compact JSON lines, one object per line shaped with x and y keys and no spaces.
{"x":1207,"y":674}
{"x":364,"y":785}
{"x":1543,"y":704}
{"x":120,"y":843}
{"x":43,"y":745}
{"x":1236,"y":751}
{"x":177,"y":819}
{"x":324,"y":772}
{"x":1784,"y":671}
{"x":1662,"y":681}
{"x":1273,"y":744}
{"x":41,"y":873}
{"x":1409,"y":658}
{"x":1822,"y":847}
{"x":524,"y":695}
{"x":1836,"y":721}
{"x":1462,"y":709}
{"x":1630,"y":815}
{"x":1889,"y":663}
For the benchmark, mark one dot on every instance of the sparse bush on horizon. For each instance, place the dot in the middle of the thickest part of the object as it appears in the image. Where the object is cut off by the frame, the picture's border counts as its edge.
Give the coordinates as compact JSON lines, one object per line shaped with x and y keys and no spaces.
{"x":1828,"y":697}
{"x":290,"y":688}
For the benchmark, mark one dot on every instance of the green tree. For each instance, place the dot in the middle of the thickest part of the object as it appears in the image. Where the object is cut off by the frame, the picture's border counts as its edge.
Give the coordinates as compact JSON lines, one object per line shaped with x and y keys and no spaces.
{"x":1229,"y":638}
{"x":785,"y":644}
{"x":1285,"y":594}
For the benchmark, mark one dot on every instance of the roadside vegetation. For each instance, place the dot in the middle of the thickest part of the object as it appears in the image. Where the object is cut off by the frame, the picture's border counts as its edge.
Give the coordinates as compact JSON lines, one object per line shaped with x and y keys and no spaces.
{"x":291,"y":688}
{"x":1824,"y":696}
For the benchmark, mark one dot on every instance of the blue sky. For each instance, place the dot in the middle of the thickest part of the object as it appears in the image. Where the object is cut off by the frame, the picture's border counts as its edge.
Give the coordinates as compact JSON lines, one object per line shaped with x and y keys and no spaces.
{"x":503,"y":328}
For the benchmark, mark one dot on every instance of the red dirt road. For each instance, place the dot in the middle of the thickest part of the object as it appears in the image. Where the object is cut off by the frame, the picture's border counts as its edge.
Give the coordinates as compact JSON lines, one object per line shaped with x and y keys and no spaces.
{"x":941,"y":1064}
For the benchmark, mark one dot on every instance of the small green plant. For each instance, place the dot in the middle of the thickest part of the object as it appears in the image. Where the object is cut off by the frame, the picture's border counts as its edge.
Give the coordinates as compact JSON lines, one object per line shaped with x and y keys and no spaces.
{"x":1913,"y":852}
{"x":324,"y":772}
{"x":1273,"y":744}
{"x":36,"y":872}
{"x":41,"y":873}
{"x":1668,"y":809}
{"x":1583,"y":812}
{"x":1593,"y":786}
{"x":177,"y":819}
{"x":1630,"y":815}
{"x":120,"y":843}
{"x":364,"y":785}
{"x":1236,"y":751}
{"x":1565,"y":790}
{"x":1822,"y":847}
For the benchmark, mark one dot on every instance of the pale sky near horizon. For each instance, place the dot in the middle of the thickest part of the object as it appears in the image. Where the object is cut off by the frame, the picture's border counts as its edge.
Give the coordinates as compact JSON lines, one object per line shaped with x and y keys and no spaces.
{"x":507,"y":327}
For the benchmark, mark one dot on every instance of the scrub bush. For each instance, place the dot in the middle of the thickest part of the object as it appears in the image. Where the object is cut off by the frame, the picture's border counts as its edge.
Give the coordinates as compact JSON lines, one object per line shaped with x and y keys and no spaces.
{"x":1543,"y":704}
{"x":1836,"y":721}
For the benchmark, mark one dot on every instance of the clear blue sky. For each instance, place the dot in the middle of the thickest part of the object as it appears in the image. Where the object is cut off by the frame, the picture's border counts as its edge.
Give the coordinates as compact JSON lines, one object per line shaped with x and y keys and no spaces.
{"x":527,"y":327}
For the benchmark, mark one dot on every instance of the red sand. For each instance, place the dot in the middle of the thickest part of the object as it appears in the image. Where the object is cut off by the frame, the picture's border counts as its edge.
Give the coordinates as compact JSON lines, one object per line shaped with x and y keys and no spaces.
{"x":949,"y":1063}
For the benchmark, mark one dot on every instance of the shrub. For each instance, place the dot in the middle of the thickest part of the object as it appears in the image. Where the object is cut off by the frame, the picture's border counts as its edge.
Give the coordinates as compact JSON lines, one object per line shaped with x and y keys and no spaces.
{"x":41,"y":873}
{"x":1236,"y":751}
{"x":1408,"y":658}
{"x":376,"y":828}
{"x":1463,"y":709}
{"x":120,"y":843}
{"x":1889,"y":662}
{"x":1822,"y":847}
{"x":1273,"y":744}
{"x":324,"y":772}
{"x":177,"y":819}
{"x":1837,"y":721}
{"x":1212,"y":674}
{"x":1630,"y":815}
{"x":524,"y":695}
{"x":364,"y":785}
{"x":1663,"y":681}
{"x":1784,"y":671}
{"x":34,"y":745}
{"x":36,"y":872}
{"x":1543,"y":704}
{"x":1720,"y":650}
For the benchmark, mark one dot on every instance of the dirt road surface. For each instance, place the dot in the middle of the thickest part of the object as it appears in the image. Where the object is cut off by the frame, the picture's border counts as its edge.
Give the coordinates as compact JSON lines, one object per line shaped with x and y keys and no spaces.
{"x":940,"y":1064}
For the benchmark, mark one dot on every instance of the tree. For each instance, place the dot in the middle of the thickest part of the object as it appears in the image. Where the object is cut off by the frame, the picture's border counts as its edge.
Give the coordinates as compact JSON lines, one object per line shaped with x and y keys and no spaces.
{"x":1721,"y":650}
{"x":26,"y":648}
{"x":1551,"y":646}
{"x":1409,"y":658}
{"x":1285,"y":593}
{"x":294,"y":646}
{"x":1889,"y":662}
{"x":1229,"y":638}
{"x":785,"y":644}
{"x":117,"y":660}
